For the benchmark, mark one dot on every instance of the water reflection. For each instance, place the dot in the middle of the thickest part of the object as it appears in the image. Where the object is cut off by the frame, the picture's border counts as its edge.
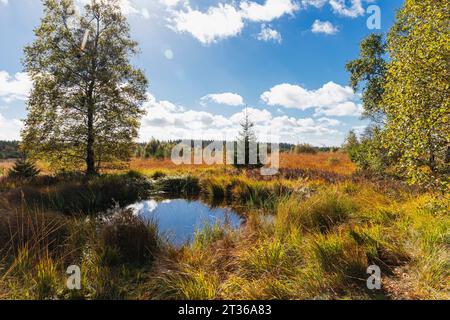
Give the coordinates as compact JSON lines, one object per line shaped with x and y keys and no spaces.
{"x":179,"y":219}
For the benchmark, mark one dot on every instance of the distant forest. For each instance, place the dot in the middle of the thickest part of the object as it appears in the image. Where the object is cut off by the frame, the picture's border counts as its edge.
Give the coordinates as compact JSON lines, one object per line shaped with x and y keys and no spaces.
{"x":160,"y":149}
{"x":9,"y":149}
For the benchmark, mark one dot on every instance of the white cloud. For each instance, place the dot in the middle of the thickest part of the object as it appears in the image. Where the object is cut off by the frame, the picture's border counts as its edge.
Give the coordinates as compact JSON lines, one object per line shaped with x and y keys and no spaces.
{"x":270,"y":10}
{"x":340,"y":6}
{"x":315,"y":3}
{"x":348,"y":108}
{"x":355,"y":10}
{"x":5,"y":2}
{"x":232,"y":99}
{"x":269,"y":34}
{"x":217,"y":23}
{"x":170,"y":3}
{"x":15,"y":87}
{"x":324,"y":27}
{"x":227,"y":20}
{"x":296,"y":97}
{"x":10,"y":128}
{"x":256,"y":115}
{"x":127,"y":8}
{"x":164,"y":120}
{"x":330,"y":122}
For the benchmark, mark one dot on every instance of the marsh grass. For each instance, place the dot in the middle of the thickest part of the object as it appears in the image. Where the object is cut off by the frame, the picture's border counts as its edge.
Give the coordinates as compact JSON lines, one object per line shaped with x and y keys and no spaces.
{"x":126,"y":239}
{"x":321,"y":212}
{"x":37,"y":246}
{"x":187,"y":186}
{"x":80,"y":196}
{"x":303,"y":239}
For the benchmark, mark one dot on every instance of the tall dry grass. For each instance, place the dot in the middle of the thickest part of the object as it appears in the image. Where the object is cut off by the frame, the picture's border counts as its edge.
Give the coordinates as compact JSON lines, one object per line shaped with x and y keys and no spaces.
{"x":304,"y":238}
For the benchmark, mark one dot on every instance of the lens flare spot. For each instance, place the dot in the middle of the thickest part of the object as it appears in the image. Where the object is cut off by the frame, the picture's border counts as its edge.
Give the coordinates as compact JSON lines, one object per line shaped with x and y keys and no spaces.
{"x":168,"y":54}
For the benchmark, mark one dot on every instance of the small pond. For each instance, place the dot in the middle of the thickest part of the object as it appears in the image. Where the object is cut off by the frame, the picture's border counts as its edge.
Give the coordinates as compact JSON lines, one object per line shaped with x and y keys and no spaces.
{"x":178,"y":219}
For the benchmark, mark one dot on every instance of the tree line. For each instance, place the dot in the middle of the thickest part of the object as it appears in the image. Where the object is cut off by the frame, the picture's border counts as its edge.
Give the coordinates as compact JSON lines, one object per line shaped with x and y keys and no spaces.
{"x":9,"y":150}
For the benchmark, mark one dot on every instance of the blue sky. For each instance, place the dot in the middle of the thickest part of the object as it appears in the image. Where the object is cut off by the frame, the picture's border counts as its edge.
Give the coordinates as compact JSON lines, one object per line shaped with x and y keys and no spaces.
{"x":207,"y":59}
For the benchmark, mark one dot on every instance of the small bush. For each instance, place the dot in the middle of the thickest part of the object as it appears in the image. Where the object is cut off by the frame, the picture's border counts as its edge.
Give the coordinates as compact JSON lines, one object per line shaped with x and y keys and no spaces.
{"x":133,"y":174}
{"x":23,"y":169}
{"x":254,"y":194}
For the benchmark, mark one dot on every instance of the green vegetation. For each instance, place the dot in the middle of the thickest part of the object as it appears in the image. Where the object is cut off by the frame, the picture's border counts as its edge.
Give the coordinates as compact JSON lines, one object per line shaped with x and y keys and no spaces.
{"x":407,"y":97}
{"x":247,"y":149}
{"x":23,"y":169}
{"x":417,"y":95}
{"x":155,"y":149}
{"x":86,"y":102}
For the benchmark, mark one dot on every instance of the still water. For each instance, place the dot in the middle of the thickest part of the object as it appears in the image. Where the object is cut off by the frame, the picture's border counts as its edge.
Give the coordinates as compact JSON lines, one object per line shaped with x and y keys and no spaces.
{"x":179,"y":219}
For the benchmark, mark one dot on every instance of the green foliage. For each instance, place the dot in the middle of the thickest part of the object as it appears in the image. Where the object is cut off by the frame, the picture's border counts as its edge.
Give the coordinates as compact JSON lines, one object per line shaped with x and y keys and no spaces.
{"x":368,"y":152}
{"x":216,"y":190}
{"x":409,"y":96}
{"x":370,"y":69}
{"x":23,"y":169}
{"x":158,"y":175}
{"x":86,"y":102}
{"x":417,"y":95}
{"x":158,"y":149}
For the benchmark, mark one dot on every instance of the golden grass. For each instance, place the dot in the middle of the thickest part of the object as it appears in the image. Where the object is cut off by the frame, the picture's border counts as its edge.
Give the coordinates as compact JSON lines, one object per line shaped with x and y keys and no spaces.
{"x":332,"y":162}
{"x":317,"y":246}
{"x":336,"y":162}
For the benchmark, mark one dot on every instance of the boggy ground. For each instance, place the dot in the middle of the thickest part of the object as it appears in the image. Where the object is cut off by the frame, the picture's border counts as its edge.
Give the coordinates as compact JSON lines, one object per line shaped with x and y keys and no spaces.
{"x":329,"y":225}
